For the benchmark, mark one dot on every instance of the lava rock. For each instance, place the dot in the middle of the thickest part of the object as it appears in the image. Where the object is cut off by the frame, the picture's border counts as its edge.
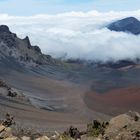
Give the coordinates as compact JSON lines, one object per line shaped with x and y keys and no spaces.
{"x":4,"y":28}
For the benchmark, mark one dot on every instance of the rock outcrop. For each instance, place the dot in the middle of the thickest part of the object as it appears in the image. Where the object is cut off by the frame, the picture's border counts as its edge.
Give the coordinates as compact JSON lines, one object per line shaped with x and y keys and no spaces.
{"x":12,"y":94}
{"x":122,"y":127}
{"x":4,"y":29}
{"x":21,"y":49}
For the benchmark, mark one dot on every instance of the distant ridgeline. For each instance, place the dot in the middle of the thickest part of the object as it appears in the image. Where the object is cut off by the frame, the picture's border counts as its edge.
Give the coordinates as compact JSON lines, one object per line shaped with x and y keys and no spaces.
{"x":129,"y":24}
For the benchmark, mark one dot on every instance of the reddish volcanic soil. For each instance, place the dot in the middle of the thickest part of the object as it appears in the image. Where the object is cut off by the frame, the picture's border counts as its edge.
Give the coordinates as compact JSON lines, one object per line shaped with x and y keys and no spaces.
{"x":115,"y":101}
{"x":68,"y":95}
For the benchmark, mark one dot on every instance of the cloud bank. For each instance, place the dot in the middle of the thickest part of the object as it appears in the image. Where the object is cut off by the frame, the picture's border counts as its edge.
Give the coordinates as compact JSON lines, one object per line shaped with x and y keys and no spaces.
{"x":77,"y":35}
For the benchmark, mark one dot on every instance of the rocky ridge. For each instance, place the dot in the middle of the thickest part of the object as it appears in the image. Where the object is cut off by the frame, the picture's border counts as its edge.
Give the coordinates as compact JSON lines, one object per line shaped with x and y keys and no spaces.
{"x":21,"y":49}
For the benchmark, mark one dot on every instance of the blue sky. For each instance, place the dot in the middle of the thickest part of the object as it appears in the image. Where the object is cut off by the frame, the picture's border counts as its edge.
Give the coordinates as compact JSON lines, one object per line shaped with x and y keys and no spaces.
{"x":33,"y":7}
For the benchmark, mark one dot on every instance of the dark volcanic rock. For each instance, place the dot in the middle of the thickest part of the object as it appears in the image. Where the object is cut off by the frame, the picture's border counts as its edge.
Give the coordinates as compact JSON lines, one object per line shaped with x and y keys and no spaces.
{"x":37,"y":49}
{"x":4,"y":28}
{"x":116,"y":64}
{"x":20,"y":49}
{"x":130,"y":24}
{"x":120,"y":64}
{"x":26,"y":39}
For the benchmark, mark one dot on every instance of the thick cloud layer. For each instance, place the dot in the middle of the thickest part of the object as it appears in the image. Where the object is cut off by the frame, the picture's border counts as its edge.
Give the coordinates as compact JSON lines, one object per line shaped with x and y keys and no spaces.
{"x":77,"y":35}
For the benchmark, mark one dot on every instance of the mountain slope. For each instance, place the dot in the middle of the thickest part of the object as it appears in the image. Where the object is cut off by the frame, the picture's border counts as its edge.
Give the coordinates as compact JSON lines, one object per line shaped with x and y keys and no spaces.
{"x":20,"y":49}
{"x":129,"y":24}
{"x":75,"y":92}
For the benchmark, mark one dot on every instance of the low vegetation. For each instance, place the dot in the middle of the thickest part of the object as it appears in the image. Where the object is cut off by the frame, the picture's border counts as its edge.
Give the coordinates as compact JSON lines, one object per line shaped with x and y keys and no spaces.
{"x":96,"y":128}
{"x":122,"y":127}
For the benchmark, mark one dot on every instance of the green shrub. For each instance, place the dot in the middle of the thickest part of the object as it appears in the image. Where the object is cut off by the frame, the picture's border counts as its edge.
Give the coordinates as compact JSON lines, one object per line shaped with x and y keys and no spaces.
{"x":96,"y":128}
{"x":91,"y":131}
{"x":65,"y":137}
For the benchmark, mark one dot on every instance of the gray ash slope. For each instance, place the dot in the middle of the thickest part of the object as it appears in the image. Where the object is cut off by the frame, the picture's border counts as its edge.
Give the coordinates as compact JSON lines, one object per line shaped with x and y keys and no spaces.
{"x":129,"y":24}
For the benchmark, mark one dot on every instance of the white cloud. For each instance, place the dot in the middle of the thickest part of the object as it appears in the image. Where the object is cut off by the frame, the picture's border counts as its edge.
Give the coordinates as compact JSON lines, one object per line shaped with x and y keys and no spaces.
{"x":77,"y":34}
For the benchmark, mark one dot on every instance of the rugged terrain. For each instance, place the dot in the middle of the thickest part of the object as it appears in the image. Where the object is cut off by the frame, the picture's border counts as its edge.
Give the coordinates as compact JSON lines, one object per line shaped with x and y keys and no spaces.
{"x":123,"y":127}
{"x":53,"y":94}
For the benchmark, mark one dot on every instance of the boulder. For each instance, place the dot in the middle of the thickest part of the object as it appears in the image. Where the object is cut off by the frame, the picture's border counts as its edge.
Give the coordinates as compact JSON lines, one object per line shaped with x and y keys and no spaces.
{"x":43,"y":138}
{"x":3,"y":84}
{"x":124,"y":127}
{"x":4,"y":28}
{"x":25,"y":138}
{"x":12,"y":138}
{"x":56,"y":136}
{"x":5,"y":132}
{"x":2,"y":127}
